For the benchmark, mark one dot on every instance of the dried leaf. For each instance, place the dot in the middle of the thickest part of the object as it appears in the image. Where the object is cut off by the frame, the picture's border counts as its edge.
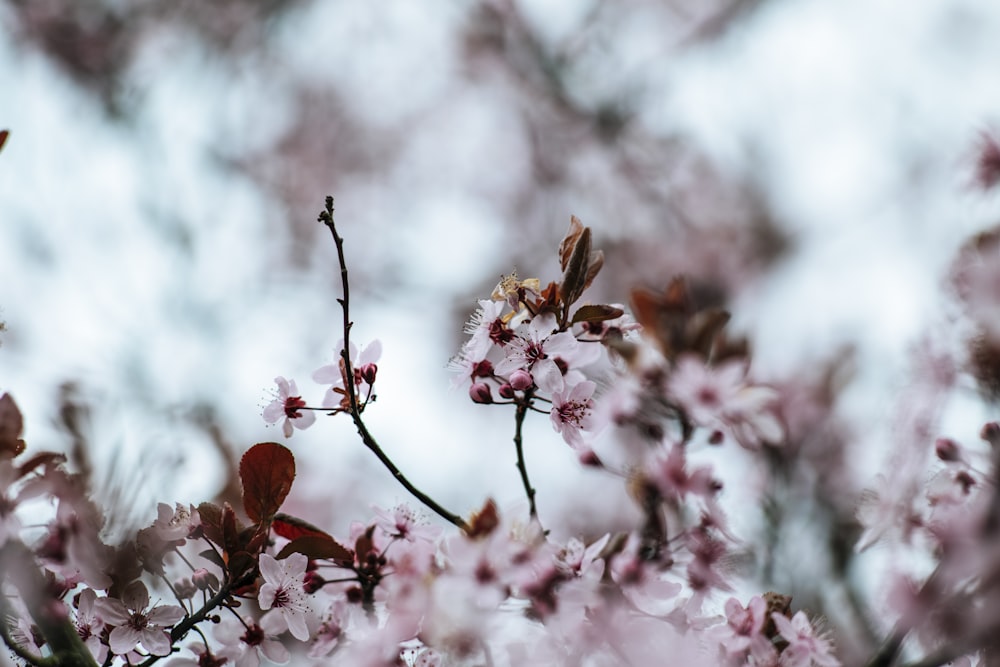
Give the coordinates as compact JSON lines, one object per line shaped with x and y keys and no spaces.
{"x":484,"y":521}
{"x":569,"y":241}
{"x":267,"y":471}
{"x":3,"y":137}
{"x":318,"y":547}
{"x":598,"y":313}
{"x":11,"y":426}
{"x":575,"y":275}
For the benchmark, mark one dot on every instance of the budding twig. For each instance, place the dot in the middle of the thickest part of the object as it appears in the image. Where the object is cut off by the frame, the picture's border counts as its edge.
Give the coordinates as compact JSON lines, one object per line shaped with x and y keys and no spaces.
{"x":326,"y":217}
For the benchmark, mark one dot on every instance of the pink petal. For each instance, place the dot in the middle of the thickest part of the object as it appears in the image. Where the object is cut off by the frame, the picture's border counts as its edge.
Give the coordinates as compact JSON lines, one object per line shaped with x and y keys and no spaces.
{"x":123,"y":639}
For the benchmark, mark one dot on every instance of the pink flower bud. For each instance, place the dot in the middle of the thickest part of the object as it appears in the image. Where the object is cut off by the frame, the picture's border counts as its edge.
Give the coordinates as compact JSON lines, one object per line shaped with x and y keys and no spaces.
{"x":313,"y":582}
{"x":990,"y":433}
{"x":506,"y":391}
{"x":947,"y":450}
{"x":483,"y":369}
{"x":521,"y":379}
{"x":368,"y":372}
{"x":205,"y":580}
{"x":479,"y":392}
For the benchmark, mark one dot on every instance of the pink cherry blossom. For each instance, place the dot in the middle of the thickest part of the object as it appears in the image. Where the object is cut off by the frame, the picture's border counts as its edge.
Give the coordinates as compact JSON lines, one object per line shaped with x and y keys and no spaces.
{"x":535,"y":350}
{"x":364,"y":367}
{"x":283,"y":591}
{"x":288,"y":404}
{"x":573,"y":412}
{"x":133,"y":622}
{"x":805,"y":648}
{"x":720,"y":397}
{"x":403,"y":522}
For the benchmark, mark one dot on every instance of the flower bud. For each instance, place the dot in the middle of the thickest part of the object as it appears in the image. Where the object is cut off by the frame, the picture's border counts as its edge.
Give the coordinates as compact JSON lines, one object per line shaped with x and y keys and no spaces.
{"x":483,"y":369}
{"x":368,"y":372}
{"x":479,"y":392}
{"x":205,"y":580}
{"x":990,"y":433}
{"x":947,"y":450}
{"x":185,"y":589}
{"x":506,"y":391}
{"x":521,"y":379}
{"x":313,"y":582}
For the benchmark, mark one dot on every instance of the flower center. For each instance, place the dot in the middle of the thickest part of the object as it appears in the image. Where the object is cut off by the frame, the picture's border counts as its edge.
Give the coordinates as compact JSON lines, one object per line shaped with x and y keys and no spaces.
{"x":292,"y":405}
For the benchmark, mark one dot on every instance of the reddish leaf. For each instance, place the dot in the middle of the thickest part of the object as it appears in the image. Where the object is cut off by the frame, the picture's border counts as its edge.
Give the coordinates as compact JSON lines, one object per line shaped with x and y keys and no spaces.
{"x":11,"y":425}
{"x":318,"y":547}
{"x":230,"y":531}
{"x":3,"y":137}
{"x":596,"y":313}
{"x":267,"y":471}
{"x":211,"y":522}
{"x":291,"y":527}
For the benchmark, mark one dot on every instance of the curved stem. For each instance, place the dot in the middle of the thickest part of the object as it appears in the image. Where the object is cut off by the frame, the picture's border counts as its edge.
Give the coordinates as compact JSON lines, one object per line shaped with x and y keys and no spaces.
{"x":326,"y":217}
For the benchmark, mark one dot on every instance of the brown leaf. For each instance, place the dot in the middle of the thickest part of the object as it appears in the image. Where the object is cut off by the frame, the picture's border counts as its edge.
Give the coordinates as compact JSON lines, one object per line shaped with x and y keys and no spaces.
{"x":598,"y":313}
{"x":569,"y":241}
{"x":267,"y":471}
{"x":318,"y":547}
{"x":3,"y":137}
{"x":11,"y":426}
{"x":484,"y":521}
{"x":575,"y":274}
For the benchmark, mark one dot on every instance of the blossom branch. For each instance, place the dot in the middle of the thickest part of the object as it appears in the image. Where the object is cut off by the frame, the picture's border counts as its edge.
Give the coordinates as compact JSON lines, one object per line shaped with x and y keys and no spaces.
{"x":8,"y":639}
{"x":326,"y":217}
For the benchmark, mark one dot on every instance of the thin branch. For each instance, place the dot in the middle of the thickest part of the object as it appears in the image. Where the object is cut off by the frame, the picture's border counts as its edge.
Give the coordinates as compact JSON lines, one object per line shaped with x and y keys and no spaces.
{"x":519,"y":415}
{"x":326,"y":217}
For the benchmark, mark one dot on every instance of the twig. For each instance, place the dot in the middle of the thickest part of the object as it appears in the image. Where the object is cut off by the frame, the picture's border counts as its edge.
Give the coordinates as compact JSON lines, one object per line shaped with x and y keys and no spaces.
{"x":522,"y":410}
{"x":326,"y":217}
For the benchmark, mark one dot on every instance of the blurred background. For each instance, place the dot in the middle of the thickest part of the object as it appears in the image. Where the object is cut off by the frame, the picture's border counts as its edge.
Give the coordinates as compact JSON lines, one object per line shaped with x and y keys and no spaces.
{"x":809,"y":163}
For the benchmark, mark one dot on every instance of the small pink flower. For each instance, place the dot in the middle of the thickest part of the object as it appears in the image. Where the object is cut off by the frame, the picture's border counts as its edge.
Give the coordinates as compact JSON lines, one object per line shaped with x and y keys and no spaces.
{"x":364,"y":367}
{"x":288,"y":404}
{"x":573,"y":412}
{"x":177,"y":523}
{"x":135,"y":623}
{"x":283,"y":591}
{"x":402,"y":522}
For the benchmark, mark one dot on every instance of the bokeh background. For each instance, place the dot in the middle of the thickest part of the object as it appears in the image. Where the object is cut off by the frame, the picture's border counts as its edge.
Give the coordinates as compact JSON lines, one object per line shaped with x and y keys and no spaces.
{"x":810,"y":163}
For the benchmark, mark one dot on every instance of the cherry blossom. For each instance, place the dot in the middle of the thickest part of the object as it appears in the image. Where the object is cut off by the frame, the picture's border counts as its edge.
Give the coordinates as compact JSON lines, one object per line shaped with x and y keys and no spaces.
{"x":89,"y":625}
{"x":364,"y":367}
{"x":404,"y":523}
{"x":288,"y":404}
{"x":283,"y":593}
{"x":134,"y":622}
{"x":573,"y":412}
{"x":536,"y":349}
{"x":805,"y":648}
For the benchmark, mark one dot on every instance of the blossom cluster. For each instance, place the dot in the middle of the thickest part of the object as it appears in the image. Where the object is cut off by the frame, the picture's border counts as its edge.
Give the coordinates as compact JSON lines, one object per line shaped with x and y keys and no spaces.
{"x":656,"y":396}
